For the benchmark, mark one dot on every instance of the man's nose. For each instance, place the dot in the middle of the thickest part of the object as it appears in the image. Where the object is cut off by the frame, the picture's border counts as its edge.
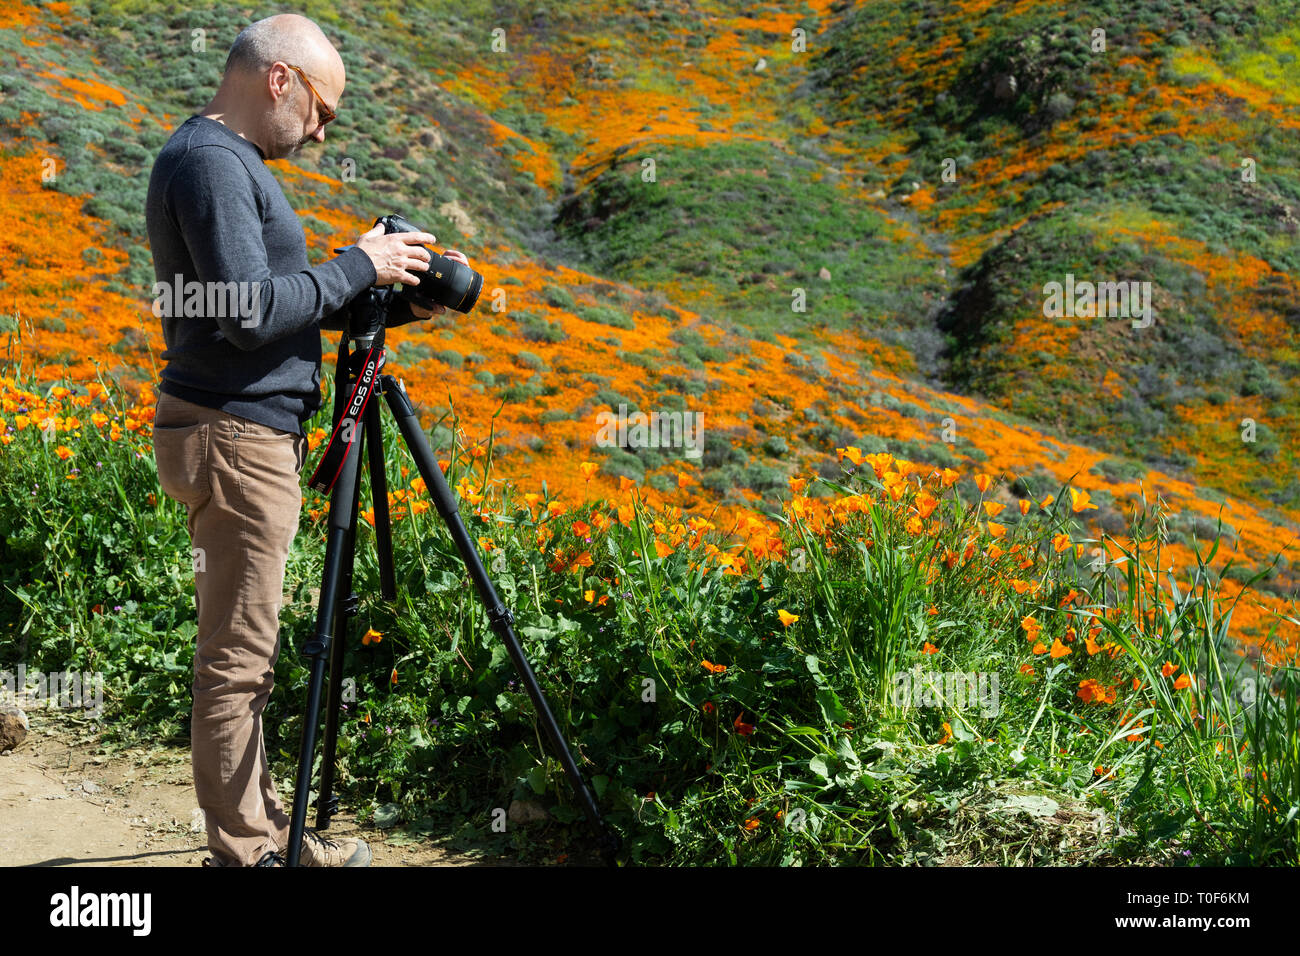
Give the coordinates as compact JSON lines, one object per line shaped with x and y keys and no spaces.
{"x":319,"y":135}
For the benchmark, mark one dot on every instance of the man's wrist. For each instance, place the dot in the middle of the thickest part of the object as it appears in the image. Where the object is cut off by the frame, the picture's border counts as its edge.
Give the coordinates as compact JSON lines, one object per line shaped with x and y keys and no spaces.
{"x":358,"y":268}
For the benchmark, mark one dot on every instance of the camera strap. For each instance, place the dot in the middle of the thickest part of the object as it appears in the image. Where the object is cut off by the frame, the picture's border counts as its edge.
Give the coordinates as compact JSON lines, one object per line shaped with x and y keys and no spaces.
{"x":348,"y":424}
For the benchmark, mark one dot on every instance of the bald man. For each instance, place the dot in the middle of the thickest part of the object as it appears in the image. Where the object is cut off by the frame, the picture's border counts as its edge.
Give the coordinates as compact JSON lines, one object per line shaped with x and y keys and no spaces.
{"x":242,"y":375}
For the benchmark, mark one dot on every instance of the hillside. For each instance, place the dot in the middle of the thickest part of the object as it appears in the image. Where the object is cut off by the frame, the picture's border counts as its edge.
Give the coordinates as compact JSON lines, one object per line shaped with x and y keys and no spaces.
{"x":780,"y":176}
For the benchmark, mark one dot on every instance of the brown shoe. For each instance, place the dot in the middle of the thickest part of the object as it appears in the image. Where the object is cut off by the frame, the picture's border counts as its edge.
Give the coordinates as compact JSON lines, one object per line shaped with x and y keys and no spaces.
{"x":318,"y":851}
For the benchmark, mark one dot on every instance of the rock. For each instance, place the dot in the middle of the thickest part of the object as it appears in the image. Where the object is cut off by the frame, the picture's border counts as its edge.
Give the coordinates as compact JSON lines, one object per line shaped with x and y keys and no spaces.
{"x":432,"y":138}
{"x":459,"y":217}
{"x":13,"y":726}
{"x":761,"y":65}
{"x":1005,"y":87}
{"x":89,"y":786}
{"x":525,"y":811}
{"x":824,"y":273}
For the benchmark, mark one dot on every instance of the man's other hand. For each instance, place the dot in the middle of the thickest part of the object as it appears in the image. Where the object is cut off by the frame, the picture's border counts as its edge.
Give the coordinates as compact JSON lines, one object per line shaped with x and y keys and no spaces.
{"x":422,"y":313}
{"x":396,"y":256}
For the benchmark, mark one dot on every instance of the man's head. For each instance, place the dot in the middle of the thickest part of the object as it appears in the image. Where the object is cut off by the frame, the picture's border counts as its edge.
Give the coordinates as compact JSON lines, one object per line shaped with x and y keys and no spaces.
{"x":263,"y":84}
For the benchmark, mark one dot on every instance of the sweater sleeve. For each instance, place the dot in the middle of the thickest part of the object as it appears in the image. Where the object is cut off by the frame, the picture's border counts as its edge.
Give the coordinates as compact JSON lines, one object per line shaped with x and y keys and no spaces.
{"x":216,"y":205}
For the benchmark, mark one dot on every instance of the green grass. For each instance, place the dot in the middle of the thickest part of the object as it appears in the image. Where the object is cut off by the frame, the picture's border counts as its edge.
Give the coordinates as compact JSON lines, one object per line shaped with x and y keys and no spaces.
{"x":803,"y":734}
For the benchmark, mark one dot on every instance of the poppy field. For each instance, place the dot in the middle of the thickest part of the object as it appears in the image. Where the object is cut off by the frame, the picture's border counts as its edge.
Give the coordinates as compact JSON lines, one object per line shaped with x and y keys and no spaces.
{"x":952,"y":581}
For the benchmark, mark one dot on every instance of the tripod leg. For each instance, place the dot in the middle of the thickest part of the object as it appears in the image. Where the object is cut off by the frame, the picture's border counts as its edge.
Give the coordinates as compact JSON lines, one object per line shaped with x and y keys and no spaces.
{"x":338,"y":552}
{"x":326,"y":803}
{"x":498,"y":614}
{"x":379,"y":500}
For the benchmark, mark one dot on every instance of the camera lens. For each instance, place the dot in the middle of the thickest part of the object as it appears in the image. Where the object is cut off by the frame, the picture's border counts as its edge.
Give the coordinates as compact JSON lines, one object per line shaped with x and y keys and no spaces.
{"x":446,"y":282}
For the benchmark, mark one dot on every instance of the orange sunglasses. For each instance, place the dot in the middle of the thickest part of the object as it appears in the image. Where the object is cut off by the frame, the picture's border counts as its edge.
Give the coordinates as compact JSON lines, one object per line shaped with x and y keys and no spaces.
{"x":326,"y":114}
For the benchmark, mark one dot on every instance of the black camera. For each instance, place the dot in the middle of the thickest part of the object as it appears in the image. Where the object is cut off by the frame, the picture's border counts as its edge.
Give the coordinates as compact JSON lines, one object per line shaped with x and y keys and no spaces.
{"x":446,"y":282}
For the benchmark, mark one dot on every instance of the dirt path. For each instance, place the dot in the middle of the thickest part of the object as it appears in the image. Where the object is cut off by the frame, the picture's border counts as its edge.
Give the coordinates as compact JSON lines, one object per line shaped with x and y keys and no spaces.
{"x":67,"y":800}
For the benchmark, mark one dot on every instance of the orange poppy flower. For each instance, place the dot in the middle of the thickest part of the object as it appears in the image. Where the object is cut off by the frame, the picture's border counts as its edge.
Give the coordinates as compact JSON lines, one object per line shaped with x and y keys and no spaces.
{"x":1080,"y":501}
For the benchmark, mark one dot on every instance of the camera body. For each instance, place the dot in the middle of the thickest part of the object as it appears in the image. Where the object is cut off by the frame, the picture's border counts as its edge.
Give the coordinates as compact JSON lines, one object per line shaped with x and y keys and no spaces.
{"x":446,"y":282}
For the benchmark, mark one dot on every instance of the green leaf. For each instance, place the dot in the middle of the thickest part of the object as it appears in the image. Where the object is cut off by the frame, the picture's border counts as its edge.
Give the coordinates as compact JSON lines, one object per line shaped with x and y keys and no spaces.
{"x":833,"y":711}
{"x":814,"y":666}
{"x":818,"y":766}
{"x":1031,"y":803}
{"x":542,"y":634}
{"x":537,"y":779}
{"x":848,"y":754}
{"x":403,"y":838}
{"x":566,"y":814}
{"x":961,"y":732}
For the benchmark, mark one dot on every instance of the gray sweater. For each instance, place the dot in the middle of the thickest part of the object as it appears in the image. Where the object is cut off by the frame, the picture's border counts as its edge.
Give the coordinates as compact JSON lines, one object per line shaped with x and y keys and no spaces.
{"x":241,"y":310}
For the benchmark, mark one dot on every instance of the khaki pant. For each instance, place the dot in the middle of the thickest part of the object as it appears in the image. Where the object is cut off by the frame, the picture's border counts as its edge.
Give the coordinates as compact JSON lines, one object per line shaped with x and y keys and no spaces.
{"x":239,"y":481}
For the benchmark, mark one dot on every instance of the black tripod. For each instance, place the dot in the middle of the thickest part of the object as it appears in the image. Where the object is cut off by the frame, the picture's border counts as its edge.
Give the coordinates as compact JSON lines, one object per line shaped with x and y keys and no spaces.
{"x":357,"y":378}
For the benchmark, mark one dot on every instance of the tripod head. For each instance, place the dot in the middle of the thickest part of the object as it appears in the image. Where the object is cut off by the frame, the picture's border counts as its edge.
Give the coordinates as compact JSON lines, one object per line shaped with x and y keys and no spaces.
{"x":368,"y":313}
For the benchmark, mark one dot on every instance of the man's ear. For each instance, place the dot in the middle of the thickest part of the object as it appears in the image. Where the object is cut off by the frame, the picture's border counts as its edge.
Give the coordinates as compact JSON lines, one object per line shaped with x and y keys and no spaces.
{"x":278,"y":81}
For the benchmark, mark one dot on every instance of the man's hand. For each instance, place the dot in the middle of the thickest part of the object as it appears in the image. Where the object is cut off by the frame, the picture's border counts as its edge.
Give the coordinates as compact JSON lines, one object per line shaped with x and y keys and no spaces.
{"x":396,"y":256}
{"x":422,"y":313}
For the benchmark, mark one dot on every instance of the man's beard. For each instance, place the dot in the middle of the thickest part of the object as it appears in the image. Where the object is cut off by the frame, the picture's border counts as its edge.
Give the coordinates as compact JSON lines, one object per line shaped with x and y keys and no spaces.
{"x":286,"y":130}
